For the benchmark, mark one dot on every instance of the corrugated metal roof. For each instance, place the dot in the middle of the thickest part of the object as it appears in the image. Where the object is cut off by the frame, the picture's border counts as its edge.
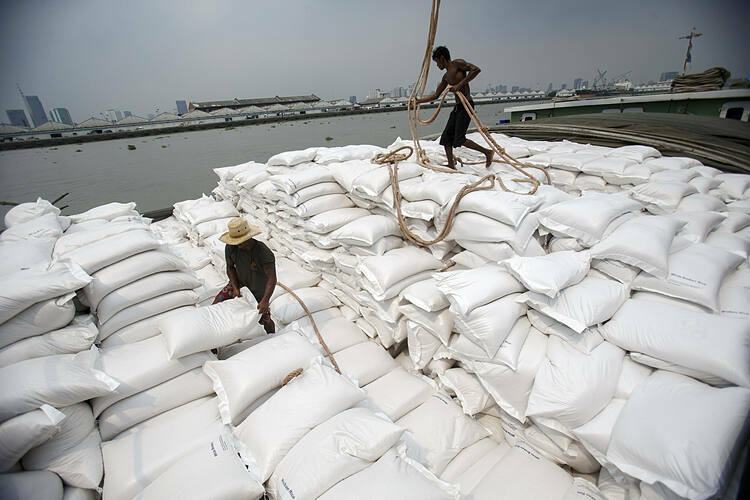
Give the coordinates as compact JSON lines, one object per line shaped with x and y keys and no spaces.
{"x":94,"y":122}
{"x":224,"y":112}
{"x":277,"y":107}
{"x":131,"y":120}
{"x":252,"y":109}
{"x":197,"y":113}
{"x":11,"y":129}
{"x":51,"y":126}
{"x":164,"y":117}
{"x":258,"y":101}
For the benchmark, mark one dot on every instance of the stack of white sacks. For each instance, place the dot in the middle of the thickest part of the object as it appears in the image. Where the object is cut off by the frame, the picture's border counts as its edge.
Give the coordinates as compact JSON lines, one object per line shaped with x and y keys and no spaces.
{"x":587,"y":341}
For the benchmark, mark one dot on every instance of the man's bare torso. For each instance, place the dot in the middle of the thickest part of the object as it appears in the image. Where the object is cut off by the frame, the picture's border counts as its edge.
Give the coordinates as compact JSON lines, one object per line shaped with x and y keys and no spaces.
{"x":454,"y":74}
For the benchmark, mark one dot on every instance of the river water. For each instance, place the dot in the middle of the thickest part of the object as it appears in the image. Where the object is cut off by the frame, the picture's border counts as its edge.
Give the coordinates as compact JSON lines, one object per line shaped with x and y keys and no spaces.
{"x":168,"y":168}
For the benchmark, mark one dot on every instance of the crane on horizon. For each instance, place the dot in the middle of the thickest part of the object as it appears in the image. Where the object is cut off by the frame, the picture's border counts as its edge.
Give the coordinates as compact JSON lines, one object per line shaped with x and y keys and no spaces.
{"x":688,"y":55}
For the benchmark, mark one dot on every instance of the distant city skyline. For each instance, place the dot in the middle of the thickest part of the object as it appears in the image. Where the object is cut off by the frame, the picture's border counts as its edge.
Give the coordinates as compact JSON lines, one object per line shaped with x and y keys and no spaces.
{"x":333,"y":50}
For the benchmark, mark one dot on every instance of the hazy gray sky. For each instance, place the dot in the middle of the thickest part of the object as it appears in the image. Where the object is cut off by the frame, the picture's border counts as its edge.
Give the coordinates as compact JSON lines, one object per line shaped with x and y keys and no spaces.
{"x":93,"y":55}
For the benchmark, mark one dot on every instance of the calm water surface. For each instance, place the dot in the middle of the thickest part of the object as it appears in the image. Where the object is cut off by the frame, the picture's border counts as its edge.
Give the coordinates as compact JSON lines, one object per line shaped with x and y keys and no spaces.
{"x":165,"y":169}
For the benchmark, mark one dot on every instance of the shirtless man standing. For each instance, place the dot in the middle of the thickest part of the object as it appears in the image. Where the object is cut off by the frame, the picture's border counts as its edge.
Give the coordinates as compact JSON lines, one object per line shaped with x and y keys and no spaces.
{"x":458,"y":74}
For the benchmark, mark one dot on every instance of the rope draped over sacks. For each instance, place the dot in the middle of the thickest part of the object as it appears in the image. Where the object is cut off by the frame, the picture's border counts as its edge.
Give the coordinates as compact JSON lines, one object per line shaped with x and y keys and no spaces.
{"x":392,"y":158}
{"x":322,"y":342}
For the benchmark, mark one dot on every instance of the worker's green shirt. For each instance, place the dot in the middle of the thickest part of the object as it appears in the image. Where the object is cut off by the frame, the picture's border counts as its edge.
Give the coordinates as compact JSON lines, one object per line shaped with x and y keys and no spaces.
{"x":249,"y":266}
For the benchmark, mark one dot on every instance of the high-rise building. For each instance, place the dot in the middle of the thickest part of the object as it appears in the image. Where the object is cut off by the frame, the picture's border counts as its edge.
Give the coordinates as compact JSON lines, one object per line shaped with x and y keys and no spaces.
{"x":578,"y":83}
{"x":353,"y":99}
{"x":563,"y":86}
{"x":125,"y":114}
{"x":35,"y":109}
{"x":397,"y":92}
{"x":181,"y":107}
{"x":61,"y":115}
{"x":549,"y":87}
{"x":17,"y":117}
{"x":585,"y":84}
{"x":668,"y":75}
{"x":514,"y":88}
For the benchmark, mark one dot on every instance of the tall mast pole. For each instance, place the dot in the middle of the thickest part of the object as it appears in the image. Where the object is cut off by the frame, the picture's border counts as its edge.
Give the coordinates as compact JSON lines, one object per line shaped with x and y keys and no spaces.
{"x":688,"y":55}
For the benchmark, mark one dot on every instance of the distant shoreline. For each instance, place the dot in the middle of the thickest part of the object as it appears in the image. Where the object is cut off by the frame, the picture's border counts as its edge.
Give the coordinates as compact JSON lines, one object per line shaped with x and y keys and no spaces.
{"x":81,"y":139}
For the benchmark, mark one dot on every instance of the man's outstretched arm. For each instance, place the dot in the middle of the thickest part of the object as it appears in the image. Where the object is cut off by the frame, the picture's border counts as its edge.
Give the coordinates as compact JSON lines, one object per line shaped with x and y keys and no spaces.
{"x":439,"y":90}
{"x":270,"y":270}
{"x":471,"y":72}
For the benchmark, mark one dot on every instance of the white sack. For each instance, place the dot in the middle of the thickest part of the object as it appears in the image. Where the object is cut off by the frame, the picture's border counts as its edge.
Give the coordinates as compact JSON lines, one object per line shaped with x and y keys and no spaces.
{"x":551,"y":273}
{"x":585,"y":218}
{"x":143,"y":289}
{"x":124,"y":414}
{"x":422,"y":344}
{"x":210,"y":327}
{"x":115,"y":248}
{"x":27,"y":385}
{"x":18,"y":256}
{"x":365,"y":231}
{"x":365,"y":362}
{"x":306,"y":401}
{"x":292,"y":158}
{"x":467,"y":290}
{"x":662,"y":197}
{"x":590,"y":302}
{"x":438,"y":430}
{"x":572,"y":387}
{"x":138,"y":456}
{"x":695,"y":274}
{"x":69,"y":340}
{"x":73,"y":240}
{"x":129,"y":270}
{"x":717,"y":345}
{"x":74,"y":452}
{"x":40,"y":318}
{"x":140,"y":330}
{"x":398,"y":392}
{"x":31,"y":484}
{"x":147,"y":309}
{"x":243,"y":378}
{"x":523,"y":474}
{"x":334,"y":450}
{"x":212,"y":470}
{"x":662,"y":450}
{"x":643,"y":242}
{"x":286,"y":308}
{"x":23,"y":289}
{"x":425,"y":295}
{"x":511,"y":388}
{"x":109,"y":211}
{"x":489,"y":325}
{"x":140,"y":366}
{"x":469,"y":391}
{"x":46,"y":226}
{"x":24,"y":432}
{"x":331,"y":220}
{"x":477,"y":227}
{"x":396,"y":477}
{"x":27,"y":211}
{"x":584,"y":341}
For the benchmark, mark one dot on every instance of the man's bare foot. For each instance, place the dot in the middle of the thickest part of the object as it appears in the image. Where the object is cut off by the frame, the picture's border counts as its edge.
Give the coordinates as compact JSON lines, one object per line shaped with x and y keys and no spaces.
{"x":490,"y":156}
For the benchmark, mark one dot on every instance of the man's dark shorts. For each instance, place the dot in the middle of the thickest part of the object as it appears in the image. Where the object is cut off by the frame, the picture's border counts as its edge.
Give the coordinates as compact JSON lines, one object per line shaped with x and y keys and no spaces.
{"x":455,"y":130}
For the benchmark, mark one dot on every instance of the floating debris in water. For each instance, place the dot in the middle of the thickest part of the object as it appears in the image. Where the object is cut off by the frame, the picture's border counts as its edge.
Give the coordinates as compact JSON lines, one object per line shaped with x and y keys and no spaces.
{"x":79,"y":150}
{"x":393,"y":126}
{"x":164,"y":145}
{"x":131,"y":147}
{"x":329,"y":138}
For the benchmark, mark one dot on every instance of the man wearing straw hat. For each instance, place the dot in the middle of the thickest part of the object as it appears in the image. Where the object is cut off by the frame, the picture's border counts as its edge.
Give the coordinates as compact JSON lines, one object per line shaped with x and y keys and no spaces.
{"x":251,"y":264}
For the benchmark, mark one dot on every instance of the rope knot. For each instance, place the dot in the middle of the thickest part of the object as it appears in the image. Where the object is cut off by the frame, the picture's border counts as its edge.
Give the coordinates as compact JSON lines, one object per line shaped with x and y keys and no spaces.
{"x":291,"y":376}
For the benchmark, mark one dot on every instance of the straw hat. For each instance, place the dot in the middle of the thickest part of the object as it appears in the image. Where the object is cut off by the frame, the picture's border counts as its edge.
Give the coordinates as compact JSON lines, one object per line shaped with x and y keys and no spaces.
{"x":239,"y":232}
